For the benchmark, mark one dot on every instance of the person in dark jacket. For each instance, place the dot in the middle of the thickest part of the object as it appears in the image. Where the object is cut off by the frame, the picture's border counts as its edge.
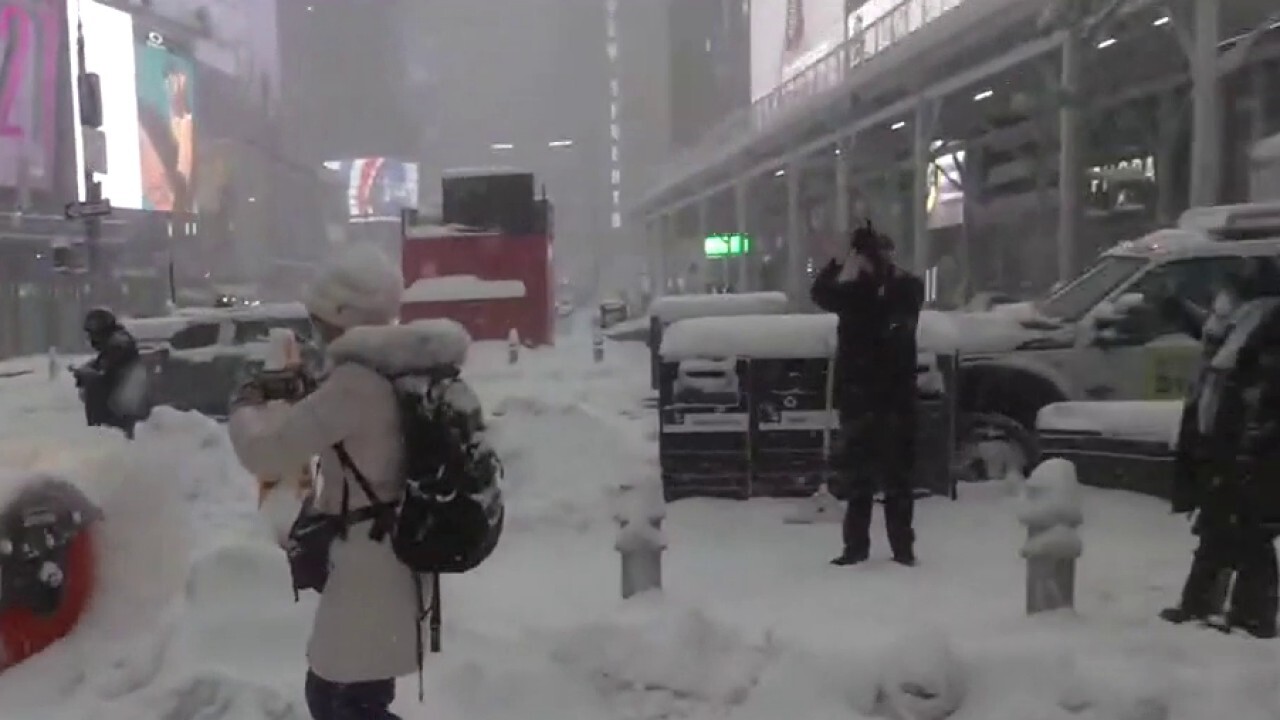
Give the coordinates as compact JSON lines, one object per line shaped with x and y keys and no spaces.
{"x":1228,"y":458}
{"x":112,"y":384}
{"x":878,"y":306}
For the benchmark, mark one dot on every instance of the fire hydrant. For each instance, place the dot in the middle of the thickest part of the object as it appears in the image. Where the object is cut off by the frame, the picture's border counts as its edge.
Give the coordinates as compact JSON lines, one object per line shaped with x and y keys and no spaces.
{"x":640,"y":541}
{"x":513,"y":347}
{"x":1050,"y":508}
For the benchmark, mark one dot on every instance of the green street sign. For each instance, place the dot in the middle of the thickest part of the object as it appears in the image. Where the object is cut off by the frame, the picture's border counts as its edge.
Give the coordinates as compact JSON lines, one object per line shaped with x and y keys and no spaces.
{"x":726,"y":245}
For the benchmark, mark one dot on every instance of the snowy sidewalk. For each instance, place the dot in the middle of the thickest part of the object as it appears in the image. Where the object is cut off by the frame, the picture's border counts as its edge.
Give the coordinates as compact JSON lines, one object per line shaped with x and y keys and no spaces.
{"x":754,"y":625}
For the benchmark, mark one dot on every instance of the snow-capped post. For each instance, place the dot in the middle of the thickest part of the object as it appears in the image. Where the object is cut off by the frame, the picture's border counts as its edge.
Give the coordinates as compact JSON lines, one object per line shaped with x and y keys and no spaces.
{"x":597,"y":339}
{"x":1050,"y":508}
{"x":641,"y":541}
{"x":513,"y":347}
{"x":53,"y":363}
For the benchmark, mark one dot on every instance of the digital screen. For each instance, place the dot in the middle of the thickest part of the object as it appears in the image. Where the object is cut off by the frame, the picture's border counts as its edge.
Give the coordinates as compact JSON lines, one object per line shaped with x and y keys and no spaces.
{"x":946,"y":189}
{"x":32,"y":37}
{"x":789,"y":35}
{"x":166,"y":136}
{"x":378,"y":188}
{"x":730,"y":245}
{"x":109,"y":52}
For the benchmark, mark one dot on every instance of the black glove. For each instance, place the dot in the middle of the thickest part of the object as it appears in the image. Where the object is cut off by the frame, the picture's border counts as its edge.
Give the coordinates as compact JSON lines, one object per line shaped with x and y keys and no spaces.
{"x":83,"y":374}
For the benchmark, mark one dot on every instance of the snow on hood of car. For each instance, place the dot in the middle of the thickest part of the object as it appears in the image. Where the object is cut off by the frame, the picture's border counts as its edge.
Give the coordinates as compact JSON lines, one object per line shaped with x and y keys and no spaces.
{"x":1146,"y":420}
{"x":998,"y":330}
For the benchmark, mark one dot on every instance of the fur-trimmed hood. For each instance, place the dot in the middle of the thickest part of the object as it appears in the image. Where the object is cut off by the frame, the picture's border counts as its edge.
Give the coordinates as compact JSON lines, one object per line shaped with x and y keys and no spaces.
{"x":402,"y":349}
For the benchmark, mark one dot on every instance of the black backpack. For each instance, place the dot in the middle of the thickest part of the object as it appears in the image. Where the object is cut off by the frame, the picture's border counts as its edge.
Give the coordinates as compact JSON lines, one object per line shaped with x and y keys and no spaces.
{"x":450,"y":517}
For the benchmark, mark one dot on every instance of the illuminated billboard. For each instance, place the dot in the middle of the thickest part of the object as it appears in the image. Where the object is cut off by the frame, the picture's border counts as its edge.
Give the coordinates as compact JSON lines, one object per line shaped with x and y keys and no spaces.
{"x":377,"y":188}
{"x":946,"y":187}
{"x":166,"y":137}
{"x":150,"y":117}
{"x":789,"y":36}
{"x":32,"y":37}
{"x":108,"y":47}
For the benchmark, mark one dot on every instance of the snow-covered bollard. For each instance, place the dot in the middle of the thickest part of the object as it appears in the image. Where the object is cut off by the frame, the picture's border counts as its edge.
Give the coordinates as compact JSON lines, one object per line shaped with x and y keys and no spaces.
{"x":54,"y":369}
{"x":641,"y":541}
{"x":1050,"y":508}
{"x":821,"y":507}
{"x":513,"y":347}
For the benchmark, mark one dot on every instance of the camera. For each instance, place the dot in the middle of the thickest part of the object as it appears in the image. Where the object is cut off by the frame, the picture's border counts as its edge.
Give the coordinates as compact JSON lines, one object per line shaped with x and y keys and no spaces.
{"x":869,"y":243}
{"x":289,"y":385}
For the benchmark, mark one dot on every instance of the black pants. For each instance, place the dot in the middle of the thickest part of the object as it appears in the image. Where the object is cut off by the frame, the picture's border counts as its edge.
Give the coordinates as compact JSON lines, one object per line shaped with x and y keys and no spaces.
{"x":877,"y":455}
{"x":350,"y":701}
{"x":1251,"y":553}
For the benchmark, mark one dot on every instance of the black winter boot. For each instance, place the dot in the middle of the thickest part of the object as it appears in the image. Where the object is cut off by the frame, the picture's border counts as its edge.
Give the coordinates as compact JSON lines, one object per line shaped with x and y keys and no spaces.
{"x":1178,"y":616}
{"x":851,"y":557}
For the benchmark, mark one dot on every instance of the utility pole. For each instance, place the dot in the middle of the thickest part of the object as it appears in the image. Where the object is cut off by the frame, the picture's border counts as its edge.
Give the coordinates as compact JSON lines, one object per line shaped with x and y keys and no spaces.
{"x":91,"y":123}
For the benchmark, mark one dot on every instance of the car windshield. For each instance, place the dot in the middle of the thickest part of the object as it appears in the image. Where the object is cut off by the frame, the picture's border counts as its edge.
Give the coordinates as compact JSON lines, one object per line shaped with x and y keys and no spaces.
{"x":1086,"y":291}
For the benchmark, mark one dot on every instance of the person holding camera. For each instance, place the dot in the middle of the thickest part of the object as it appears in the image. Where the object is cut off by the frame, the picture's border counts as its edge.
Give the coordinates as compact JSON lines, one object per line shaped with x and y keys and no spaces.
{"x":1228,"y":454}
{"x":878,"y":305}
{"x":362,"y":636}
{"x":113,"y":385}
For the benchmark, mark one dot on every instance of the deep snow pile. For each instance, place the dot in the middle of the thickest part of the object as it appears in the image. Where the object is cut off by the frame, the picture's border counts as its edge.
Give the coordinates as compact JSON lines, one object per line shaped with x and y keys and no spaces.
{"x":196,"y":620}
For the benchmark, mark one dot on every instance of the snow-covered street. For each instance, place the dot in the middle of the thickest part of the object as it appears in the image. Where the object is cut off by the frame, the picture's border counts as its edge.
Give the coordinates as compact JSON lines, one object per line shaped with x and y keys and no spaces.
{"x":195,"y":619}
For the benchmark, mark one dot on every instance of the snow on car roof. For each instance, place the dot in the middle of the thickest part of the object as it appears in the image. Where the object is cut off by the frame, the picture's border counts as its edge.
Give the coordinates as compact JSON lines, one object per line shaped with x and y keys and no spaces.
{"x":264,"y":311}
{"x":154,"y":329}
{"x":1161,"y":242}
{"x":670,"y":308}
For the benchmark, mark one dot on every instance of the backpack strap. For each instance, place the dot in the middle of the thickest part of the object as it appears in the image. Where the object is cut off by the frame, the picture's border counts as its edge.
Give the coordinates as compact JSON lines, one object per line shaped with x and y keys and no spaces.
{"x":380,"y":529}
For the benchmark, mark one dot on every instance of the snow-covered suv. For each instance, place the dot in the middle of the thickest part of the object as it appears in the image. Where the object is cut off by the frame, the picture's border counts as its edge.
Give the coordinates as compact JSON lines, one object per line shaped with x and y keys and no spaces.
{"x":1099,"y":337}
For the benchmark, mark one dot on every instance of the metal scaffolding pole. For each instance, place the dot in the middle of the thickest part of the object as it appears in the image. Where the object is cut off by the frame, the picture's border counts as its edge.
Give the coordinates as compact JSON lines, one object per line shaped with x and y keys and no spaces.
{"x":1168,"y":124}
{"x":921,"y":157}
{"x":657,"y":259}
{"x":1258,"y":85}
{"x":1070,"y":164}
{"x":740,"y":224}
{"x":666,"y":234}
{"x":795,"y":249}
{"x":841,"y":206}
{"x":1206,"y":135}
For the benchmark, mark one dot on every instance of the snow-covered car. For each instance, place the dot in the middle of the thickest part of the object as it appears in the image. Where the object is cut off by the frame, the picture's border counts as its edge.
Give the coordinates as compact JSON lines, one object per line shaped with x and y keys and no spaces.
{"x":1099,"y":336}
{"x":198,"y":358}
{"x":612,"y":312}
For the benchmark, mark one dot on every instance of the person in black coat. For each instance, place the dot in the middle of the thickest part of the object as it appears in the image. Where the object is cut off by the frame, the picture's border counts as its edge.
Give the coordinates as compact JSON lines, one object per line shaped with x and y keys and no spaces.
{"x":878,"y":305}
{"x":112,"y":383}
{"x":1228,"y":459}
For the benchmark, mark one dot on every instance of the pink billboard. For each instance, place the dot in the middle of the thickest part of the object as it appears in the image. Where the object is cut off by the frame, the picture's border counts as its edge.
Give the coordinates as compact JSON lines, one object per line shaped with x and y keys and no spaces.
{"x":32,"y":37}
